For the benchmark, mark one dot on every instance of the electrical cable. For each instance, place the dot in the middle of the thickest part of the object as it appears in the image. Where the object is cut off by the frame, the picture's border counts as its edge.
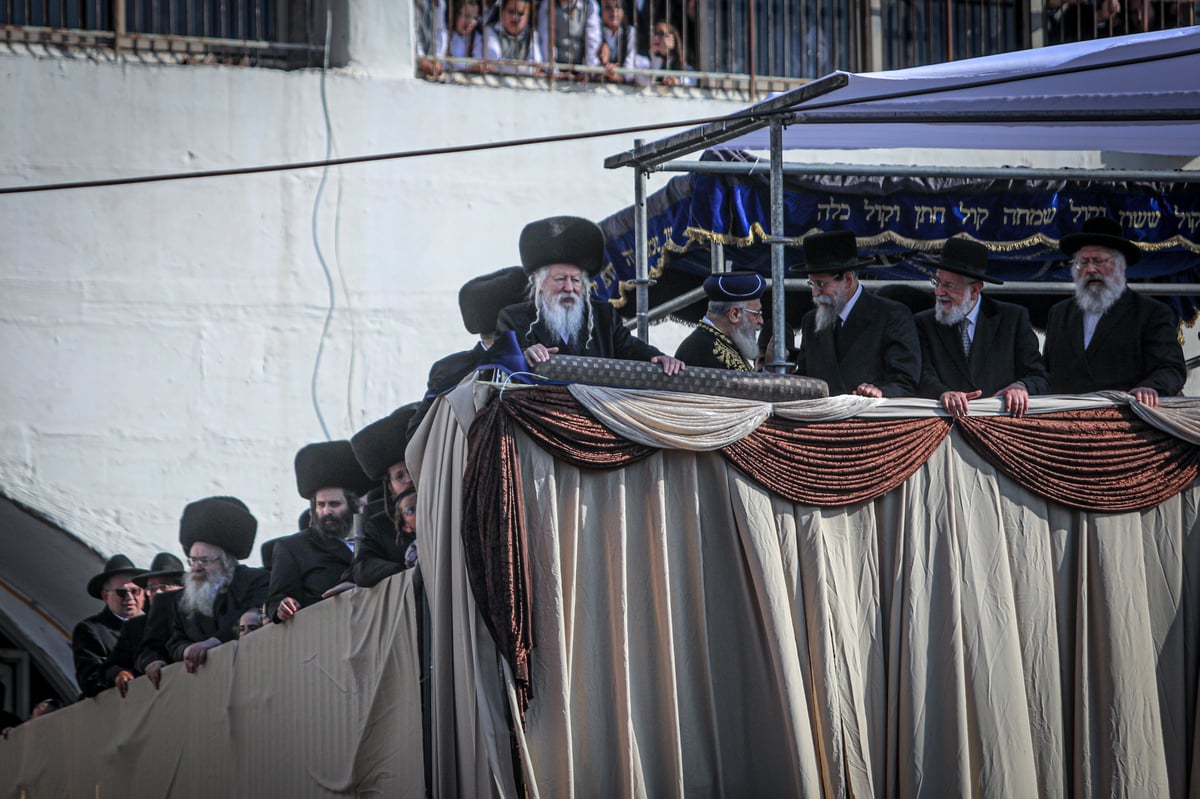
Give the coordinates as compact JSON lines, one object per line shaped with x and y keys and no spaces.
{"x":316,"y":403}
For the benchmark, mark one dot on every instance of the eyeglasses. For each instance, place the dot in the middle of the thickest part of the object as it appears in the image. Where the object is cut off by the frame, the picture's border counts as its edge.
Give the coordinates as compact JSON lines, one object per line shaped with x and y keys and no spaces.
{"x":752,"y":311}
{"x":820,"y":285}
{"x":203,"y":561}
{"x":946,"y":284}
{"x":125,"y":593}
{"x":1099,"y":262}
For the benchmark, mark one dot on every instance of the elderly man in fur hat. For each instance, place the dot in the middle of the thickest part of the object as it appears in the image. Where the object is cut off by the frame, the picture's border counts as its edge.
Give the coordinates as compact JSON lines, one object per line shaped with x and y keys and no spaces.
{"x":971,"y":345}
{"x":94,"y":638}
{"x":1106,"y":336}
{"x":856,"y":341}
{"x":314,"y":564}
{"x":561,"y":254}
{"x":727,"y":336}
{"x":216,"y":533}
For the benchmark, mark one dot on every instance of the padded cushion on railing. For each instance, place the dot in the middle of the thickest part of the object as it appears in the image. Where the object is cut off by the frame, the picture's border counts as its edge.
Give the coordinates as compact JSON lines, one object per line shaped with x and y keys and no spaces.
{"x":693,"y":380}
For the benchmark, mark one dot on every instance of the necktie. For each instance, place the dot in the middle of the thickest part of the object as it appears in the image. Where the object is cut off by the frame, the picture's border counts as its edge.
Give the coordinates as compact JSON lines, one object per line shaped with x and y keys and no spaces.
{"x":964,"y":330}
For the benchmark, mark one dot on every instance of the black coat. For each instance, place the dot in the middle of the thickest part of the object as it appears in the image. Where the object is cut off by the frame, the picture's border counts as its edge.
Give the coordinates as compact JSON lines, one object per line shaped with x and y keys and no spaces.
{"x":609,"y":338}
{"x":124,"y":653}
{"x":1004,"y":350}
{"x":380,"y":552}
{"x":157,"y":632}
{"x":877,"y":345}
{"x":306,"y":565}
{"x":92,"y":642}
{"x":444,"y":375}
{"x":1135,"y":345}
{"x":708,"y":347}
{"x":247,"y":589}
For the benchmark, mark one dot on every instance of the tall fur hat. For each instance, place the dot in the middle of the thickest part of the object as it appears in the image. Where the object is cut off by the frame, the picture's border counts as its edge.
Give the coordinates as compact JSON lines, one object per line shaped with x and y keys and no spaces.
{"x":562,"y":240}
{"x":224,"y":522}
{"x":329,"y":464}
{"x":381,"y":443}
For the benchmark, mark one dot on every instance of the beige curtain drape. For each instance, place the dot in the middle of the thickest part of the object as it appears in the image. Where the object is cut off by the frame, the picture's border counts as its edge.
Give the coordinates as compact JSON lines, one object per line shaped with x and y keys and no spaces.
{"x":696,"y":635}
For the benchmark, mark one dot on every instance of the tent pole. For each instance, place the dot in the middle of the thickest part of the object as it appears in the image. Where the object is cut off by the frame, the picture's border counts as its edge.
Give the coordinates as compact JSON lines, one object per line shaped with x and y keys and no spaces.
{"x":778,"y":362}
{"x":640,"y":226}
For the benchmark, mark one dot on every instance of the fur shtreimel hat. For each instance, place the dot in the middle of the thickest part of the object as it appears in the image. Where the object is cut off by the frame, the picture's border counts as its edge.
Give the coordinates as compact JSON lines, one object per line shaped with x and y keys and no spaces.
{"x":329,"y":464}
{"x":562,"y":240}
{"x":224,"y":522}
{"x":381,"y":443}
{"x":481,"y":299}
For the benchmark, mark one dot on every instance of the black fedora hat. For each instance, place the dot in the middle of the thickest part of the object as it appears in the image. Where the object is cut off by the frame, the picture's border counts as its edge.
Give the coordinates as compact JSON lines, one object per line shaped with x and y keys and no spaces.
{"x":562,"y":240}
{"x":117,"y":564}
{"x":965,"y":257}
{"x":835,"y":251}
{"x":164,"y":565}
{"x":381,"y":444}
{"x":224,"y":522}
{"x":329,"y":464}
{"x":1100,"y":231}
{"x":481,"y":299}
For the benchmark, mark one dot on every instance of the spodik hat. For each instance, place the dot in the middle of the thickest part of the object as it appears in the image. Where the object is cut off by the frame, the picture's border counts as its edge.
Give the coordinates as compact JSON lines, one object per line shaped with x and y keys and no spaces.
{"x":965,"y":257}
{"x":562,"y":240}
{"x":329,"y":464}
{"x":224,"y":522}
{"x":481,"y":299}
{"x":117,"y":564}
{"x":835,"y":251}
{"x":1101,"y":231}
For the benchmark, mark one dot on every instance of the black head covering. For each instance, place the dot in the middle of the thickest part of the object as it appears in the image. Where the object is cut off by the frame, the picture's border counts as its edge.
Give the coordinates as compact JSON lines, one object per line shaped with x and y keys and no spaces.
{"x":964,"y":257}
{"x":734,"y":286}
{"x":562,"y":240}
{"x":1101,"y":231}
{"x":164,"y":565}
{"x":381,"y":443}
{"x":329,"y":464}
{"x":481,"y":299}
{"x":224,"y":522}
{"x":835,"y":251}
{"x":117,"y":564}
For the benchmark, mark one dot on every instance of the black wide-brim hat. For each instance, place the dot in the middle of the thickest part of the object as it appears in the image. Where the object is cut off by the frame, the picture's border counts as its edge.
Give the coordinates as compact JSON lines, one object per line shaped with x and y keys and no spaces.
{"x":330,"y":464}
{"x":164,"y":565}
{"x":835,"y":251}
{"x":381,"y":444}
{"x":117,"y":564}
{"x":964,"y":257}
{"x":562,"y":240}
{"x":1100,"y":231}
{"x":481,"y":299}
{"x":734,"y":286}
{"x":223,"y":522}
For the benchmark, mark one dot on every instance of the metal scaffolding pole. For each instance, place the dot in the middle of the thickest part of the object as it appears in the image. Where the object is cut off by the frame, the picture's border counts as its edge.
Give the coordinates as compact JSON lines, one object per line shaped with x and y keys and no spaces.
{"x":640,"y":231}
{"x":778,"y":363}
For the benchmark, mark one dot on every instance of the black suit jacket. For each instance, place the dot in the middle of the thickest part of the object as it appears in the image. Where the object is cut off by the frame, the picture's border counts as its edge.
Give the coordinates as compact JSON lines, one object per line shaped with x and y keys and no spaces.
{"x":1004,"y":350}
{"x":247,"y":589}
{"x":1135,"y":345}
{"x":92,"y":642}
{"x":708,"y":347}
{"x":306,"y":565}
{"x":878,"y":345}
{"x":124,"y":653}
{"x":444,"y":375}
{"x":609,"y":338}
{"x":380,"y":553}
{"x":156,"y":633}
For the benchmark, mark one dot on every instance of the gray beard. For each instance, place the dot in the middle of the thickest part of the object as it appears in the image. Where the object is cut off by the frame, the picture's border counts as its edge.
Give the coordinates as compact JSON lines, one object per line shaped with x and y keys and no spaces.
{"x":563,"y":321}
{"x":746,"y":340}
{"x":199,"y":597}
{"x":828,"y":309}
{"x":1098,"y":299}
{"x":955,"y":313}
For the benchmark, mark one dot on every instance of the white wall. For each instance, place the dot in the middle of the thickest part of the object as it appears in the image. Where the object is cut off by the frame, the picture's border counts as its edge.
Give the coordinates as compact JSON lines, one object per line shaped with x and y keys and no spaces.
{"x":157,"y":341}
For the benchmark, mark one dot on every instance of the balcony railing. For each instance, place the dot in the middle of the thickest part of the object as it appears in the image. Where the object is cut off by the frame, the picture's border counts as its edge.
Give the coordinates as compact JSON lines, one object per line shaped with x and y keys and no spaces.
{"x":275,"y":33}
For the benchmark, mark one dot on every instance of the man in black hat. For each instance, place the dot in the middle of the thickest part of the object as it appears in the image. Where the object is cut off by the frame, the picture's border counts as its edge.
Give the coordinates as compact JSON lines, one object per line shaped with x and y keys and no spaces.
{"x":972,"y":345}
{"x":379,"y":448}
{"x":165,"y":576}
{"x":855,"y":341}
{"x":560,"y":255}
{"x":727,"y":336}
{"x":94,"y":638}
{"x":480,"y":301}
{"x":216,"y":533}
{"x":314,"y":564}
{"x":1106,"y":336}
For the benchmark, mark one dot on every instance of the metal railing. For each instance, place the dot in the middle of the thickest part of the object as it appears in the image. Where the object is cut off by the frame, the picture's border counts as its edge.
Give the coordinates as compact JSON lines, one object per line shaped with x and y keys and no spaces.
{"x":276,"y":33}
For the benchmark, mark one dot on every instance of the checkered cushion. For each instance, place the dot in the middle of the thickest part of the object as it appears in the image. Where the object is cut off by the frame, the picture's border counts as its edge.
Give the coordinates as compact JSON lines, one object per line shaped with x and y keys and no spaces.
{"x":693,"y":380}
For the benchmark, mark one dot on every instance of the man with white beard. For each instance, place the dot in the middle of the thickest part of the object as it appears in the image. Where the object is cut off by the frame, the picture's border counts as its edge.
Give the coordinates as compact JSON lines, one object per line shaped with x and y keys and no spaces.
{"x":561,"y":254}
{"x":857,"y":342}
{"x":1106,"y":336}
{"x":215,"y":533}
{"x":727,"y":336}
{"x":971,"y":345}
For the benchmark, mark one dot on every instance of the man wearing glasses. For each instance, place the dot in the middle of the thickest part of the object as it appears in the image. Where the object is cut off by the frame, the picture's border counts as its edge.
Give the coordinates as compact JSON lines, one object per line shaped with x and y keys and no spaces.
{"x":855,"y":341}
{"x":1106,"y":336}
{"x":727,"y":336}
{"x":971,"y":345}
{"x":95,"y":637}
{"x":165,"y":576}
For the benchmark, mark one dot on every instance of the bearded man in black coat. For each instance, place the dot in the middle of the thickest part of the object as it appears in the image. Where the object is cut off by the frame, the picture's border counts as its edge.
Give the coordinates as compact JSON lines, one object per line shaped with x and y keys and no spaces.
{"x":94,"y":638}
{"x":561,"y":255}
{"x":727,"y":336}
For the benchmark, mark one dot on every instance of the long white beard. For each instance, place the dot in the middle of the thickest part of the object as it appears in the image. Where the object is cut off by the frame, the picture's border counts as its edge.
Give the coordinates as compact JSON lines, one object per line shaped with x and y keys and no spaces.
{"x":565,"y":320}
{"x":827,"y":309}
{"x":955,"y":313}
{"x":199,"y":596}
{"x":746,"y":340}
{"x":1098,"y":299}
